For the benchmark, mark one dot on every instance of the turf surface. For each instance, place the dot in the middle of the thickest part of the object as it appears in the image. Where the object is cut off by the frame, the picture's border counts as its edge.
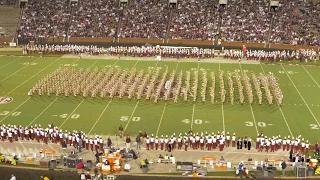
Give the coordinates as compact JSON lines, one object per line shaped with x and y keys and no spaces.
{"x":300,"y":114}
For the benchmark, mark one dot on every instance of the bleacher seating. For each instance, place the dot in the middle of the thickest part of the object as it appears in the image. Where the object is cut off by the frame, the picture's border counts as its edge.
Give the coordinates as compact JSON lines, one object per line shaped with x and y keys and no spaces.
{"x":296,"y":21}
{"x":9,"y":18}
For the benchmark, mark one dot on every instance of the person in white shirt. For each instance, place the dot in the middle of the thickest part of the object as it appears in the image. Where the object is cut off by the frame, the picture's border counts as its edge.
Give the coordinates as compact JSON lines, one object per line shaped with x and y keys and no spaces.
{"x":13,"y":177}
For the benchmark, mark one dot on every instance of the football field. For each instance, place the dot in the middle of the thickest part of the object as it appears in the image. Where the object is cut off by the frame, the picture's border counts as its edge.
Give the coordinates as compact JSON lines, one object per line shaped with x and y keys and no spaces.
{"x":299,"y":115}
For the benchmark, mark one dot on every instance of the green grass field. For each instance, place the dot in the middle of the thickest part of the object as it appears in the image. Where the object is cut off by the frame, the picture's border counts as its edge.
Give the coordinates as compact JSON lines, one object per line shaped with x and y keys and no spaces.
{"x":300,"y":114}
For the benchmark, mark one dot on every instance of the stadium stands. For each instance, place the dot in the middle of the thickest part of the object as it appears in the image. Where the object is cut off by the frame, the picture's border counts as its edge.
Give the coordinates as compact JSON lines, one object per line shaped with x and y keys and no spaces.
{"x":296,"y":21}
{"x":246,"y":21}
{"x":145,"y":19}
{"x":195,"y":20}
{"x":8,"y":2}
{"x":44,"y":19}
{"x":94,"y":19}
{"x":9,"y":18}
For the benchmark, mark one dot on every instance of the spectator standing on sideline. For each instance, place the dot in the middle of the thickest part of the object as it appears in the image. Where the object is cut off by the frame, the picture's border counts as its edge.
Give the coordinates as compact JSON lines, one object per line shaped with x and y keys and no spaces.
{"x":317,"y":148}
{"x":240,"y":170}
{"x":283,"y":167}
{"x":79,"y":145}
{"x":128,"y":142}
{"x":138,"y":142}
{"x":121,"y":131}
{"x":109,"y":142}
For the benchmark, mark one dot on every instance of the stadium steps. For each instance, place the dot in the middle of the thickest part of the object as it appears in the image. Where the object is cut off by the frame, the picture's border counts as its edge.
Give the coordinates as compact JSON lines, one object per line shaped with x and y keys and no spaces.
{"x":118,"y":27}
{"x":273,"y":16}
{"x":9,"y":19}
{"x":168,"y":26}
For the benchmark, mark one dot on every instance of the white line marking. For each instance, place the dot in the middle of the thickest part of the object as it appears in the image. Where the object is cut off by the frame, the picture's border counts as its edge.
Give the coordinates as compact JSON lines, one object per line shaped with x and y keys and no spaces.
{"x":100,"y":116}
{"x":137,"y":104}
{"x":32,"y":76}
{"x":10,"y":63}
{"x":71,"y":114}
{"x":224,"y":127}
{"x":165,"y":105}
{"x":164,"y":109}
{"x":18,"y":70}
{"x":254,"y":118}
{"x":301,"y":96}
{"x":222,"y":110}
{"x":82,"y":99}
{"x":43,"y":112}
{"x":310,"y":76}
{"x":194,"y":103}
{"x":131,"y":116}
{"x":15,"y":109}
{"x":284,"y":118}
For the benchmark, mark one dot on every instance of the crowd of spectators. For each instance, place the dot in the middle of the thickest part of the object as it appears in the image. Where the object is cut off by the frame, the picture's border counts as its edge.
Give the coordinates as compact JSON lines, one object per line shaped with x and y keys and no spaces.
{"x":7,"y":2}
{"x":94,"y":18}
{"x":44,"y":18}
{"x":195,"y":19}
{"x":245,"y":20}
{"x":145,"y":19}
{"x":297,"y":22}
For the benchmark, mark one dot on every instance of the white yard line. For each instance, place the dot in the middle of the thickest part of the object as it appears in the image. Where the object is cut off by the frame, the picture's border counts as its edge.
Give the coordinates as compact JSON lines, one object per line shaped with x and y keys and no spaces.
{"x":301,"y":96}
{"x":137,"y":103}
{"x":253,"y":117}
{"x":42,"y":112}
{"x":15,"y":109}
{"x":222,"y":109}
{"x":71,"y":114}
{"x":80,"y":102}
{"x":284,"y":118}
{"x":125,"y":128}
{"x":109,"y":101}
{"x":18,"y":70}
{"x":19,"y":86}
{"x":311,"y":76}
{"x":9,"y":63}
{"x":194,"y":103}
{"x":32,"y":77}
{"x":165,"y":105}
{"x":50,"y":103}
{"x":100,"y":116}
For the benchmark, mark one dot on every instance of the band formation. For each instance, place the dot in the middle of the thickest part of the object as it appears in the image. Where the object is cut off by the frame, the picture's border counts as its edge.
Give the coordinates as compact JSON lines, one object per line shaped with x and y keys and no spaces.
{"x":120,"y":83}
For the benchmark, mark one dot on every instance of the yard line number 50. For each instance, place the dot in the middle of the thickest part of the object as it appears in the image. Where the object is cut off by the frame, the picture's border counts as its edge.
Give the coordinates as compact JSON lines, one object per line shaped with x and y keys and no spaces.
{"x":126,"y":118}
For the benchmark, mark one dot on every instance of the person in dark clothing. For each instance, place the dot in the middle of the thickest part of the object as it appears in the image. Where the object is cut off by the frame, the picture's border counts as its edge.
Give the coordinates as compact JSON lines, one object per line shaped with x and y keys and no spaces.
{"x":109,"y":142}
{"x":249,"y":144}
{"x":302,"y":159}
{"x":121,"y":131}
{"x":317,"y":148}
{"x":245,"y":142}
{"x":290,"y":155}
{"x":283,"y":167}
{"x":169,"y":147}
{"x":138,"y":140}
{"x":241,"y":143}
{"x":238,"y":143}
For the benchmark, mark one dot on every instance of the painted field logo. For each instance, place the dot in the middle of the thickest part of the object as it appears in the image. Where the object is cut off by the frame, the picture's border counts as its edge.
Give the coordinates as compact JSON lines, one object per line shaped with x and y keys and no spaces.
{"x":5,"y":100}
